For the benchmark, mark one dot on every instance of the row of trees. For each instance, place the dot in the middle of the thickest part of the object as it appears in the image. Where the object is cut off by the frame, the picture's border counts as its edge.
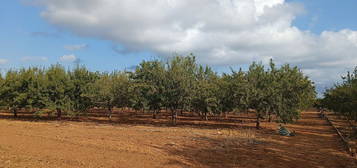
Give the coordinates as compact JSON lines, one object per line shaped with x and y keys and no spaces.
{"x":177,"y":85}
{"x":342,"y":98}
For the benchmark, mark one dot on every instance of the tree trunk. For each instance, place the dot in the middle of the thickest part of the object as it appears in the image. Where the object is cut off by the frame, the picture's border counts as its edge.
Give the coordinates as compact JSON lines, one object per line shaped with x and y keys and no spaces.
{"x":154,"y":114}
{"x":14,"y":110}
{"x":174,"y":117}
{"x":269,"y":119}
{"x":258,"y":122}
{"x":206,"y":117}
{"x":110,"y":110}
{"x":225,"y":115}
{"x":59,"y":113}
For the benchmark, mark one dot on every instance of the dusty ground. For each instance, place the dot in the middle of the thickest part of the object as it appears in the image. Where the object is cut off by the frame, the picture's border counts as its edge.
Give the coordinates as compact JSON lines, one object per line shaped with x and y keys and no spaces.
{"x":345,"y":127}
{"x":131,"y":142}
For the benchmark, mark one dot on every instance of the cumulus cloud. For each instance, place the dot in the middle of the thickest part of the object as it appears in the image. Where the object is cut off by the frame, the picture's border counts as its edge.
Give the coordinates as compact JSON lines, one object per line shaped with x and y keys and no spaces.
{"x":3,"y":61}
{"x":34,"y":59}
{"x":68,"y":58}
{"x":75,"y":47}
{"x":218,"y":32}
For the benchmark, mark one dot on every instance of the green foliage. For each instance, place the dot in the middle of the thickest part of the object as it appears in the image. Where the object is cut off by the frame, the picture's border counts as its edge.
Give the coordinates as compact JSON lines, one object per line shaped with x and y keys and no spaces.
{"x":179,"y":84}
{"x":58,"y":88}
{"x":24,"y":89}
{"x":297,"y":93}
{"x":148,"y":81}
{"x":258,"y":82}
{"x":180,"y":78}
{"x":205,"y":98}
{"x":81,"y":80}
{"x":109,"y":91}
{"x":342,"y":98}
{"x":1,"y":90}
{"x":238,"y":95}
{"x":11,"y":90}
{"x":120,"y":89}
{"x":283,"y":91}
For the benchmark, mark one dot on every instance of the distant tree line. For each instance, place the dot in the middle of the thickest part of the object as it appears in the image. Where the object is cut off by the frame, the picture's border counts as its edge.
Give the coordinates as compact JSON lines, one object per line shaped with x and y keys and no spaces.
{"x":342,"y":98}
{"x":177,"y":85}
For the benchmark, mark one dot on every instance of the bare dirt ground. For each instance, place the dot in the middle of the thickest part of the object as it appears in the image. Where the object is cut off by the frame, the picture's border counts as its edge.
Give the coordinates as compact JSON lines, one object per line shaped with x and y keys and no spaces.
{"x":138,"y":141}
{"x":345,"y":127}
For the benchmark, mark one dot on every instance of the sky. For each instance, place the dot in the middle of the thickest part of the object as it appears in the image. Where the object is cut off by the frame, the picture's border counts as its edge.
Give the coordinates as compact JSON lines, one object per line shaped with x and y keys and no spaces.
{"x":318,"y":36}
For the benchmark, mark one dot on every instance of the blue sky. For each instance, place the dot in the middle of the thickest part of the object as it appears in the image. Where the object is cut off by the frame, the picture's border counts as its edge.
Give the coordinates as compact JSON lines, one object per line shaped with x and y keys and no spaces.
{"x":331,"y":15}
{"x":56,"y":31}
{"x":25,"y":34}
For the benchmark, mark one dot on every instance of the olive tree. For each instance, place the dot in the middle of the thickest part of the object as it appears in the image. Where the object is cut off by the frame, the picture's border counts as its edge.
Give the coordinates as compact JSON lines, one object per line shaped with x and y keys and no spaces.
{"x":179,"y":84}
{"x":58,"y":87}
{"x":342,"y":98}
{"x":149,"y":78}
{"x":80,"y":85}
{"x":109,"y":91}
{"x":257,"y":96}
{"x":206,"y":92}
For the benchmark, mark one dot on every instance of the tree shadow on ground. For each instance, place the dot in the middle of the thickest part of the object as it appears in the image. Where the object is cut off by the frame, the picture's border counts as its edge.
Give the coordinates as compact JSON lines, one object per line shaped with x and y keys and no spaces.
{"x":315,"y":145}
{"x":99,"y":116}
{"x":210,"y":152}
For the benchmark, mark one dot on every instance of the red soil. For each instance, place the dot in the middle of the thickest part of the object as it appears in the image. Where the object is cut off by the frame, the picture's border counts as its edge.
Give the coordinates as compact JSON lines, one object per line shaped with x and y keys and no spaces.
{"x":138,"y":141}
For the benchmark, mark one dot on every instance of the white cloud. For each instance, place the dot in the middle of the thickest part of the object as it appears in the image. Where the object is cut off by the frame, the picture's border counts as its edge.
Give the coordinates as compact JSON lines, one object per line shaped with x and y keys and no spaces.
{"x":68,"y":58}
{"x":3,"y":61}
{"x":34,"y":59}
{"x":75,"y":47}
{"x":219,"y":32}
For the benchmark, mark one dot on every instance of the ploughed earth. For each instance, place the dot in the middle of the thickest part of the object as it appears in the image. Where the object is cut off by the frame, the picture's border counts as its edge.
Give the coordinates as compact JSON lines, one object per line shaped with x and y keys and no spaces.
{"x":132,"y":140}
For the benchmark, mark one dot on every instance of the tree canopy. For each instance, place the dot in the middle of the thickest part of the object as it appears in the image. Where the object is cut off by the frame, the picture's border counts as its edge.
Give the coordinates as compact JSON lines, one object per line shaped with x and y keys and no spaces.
{"x":342,"y":98}
{"x":177,"y":85}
